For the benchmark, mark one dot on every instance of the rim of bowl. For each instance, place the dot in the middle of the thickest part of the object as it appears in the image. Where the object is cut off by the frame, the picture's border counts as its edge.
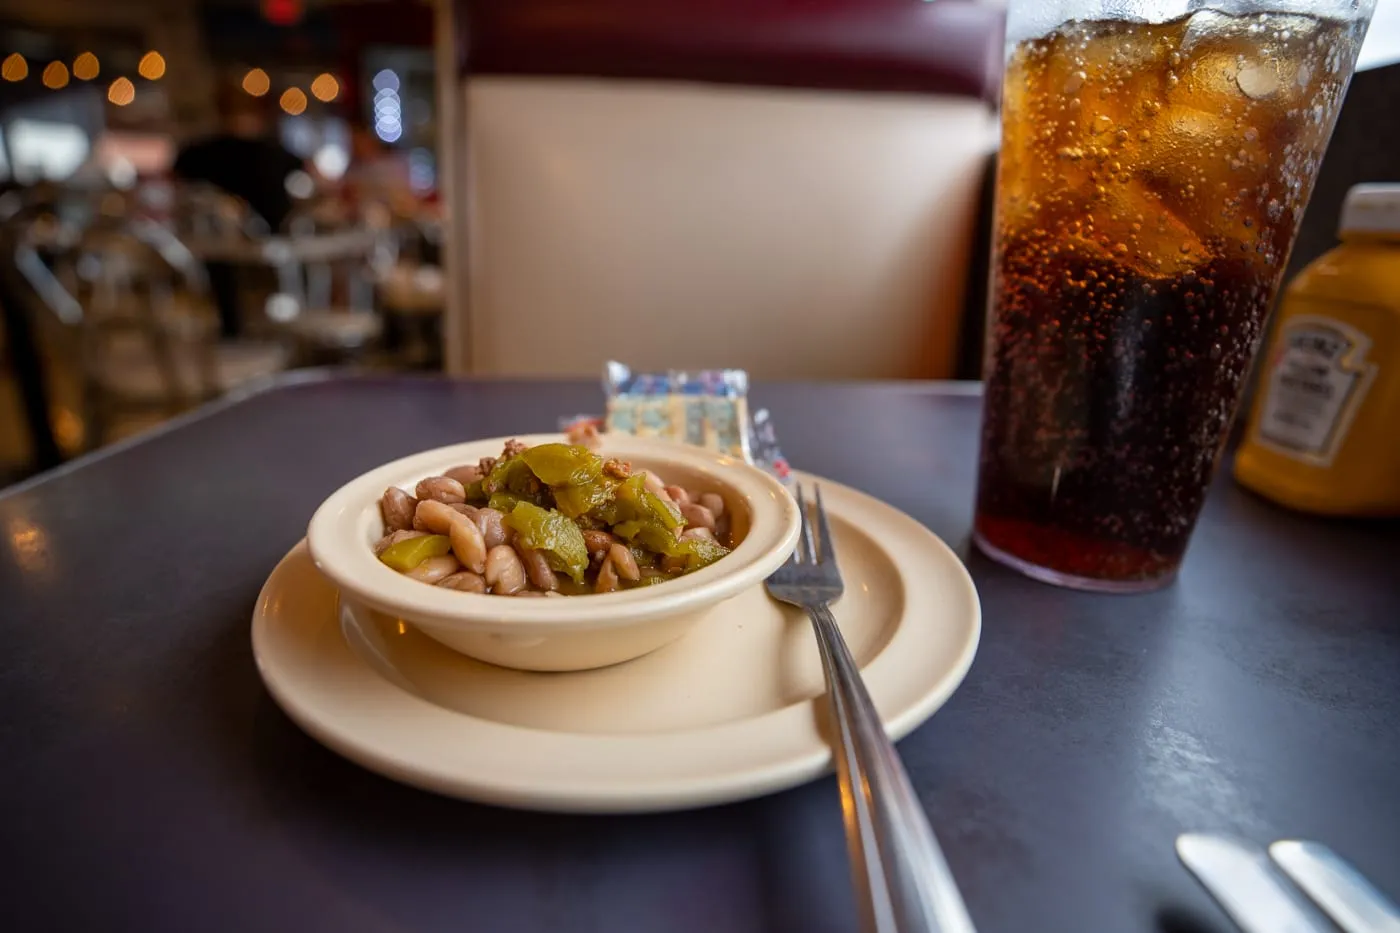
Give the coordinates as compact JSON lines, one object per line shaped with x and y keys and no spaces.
{"x":336,"y":538}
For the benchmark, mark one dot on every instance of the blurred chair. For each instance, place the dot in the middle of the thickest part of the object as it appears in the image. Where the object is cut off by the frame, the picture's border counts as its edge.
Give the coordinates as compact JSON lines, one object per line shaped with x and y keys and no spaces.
{"x":409,"y":285}
{"x":21,"y":356}
{"x":206,"y":214}
{"x":325,"y":297}
{"x":142,"y":329}
{"x":787,"y":187}
{"x":411,"y":297}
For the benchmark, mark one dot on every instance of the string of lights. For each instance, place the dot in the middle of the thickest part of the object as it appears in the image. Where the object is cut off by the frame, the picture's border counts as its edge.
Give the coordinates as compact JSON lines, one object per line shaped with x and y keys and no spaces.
{"x":152,"y":66}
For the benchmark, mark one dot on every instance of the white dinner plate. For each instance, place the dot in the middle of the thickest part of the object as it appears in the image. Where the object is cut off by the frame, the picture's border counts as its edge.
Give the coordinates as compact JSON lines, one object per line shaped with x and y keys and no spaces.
{"x":728,"y":712}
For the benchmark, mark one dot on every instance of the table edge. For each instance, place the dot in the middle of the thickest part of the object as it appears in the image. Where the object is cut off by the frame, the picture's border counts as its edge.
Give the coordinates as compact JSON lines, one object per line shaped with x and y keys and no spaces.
{"x":953,"y":388}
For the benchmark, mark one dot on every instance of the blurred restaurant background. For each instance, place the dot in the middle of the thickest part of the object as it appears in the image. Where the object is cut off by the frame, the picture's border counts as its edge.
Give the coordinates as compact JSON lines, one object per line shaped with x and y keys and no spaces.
{"x":196,"y":197}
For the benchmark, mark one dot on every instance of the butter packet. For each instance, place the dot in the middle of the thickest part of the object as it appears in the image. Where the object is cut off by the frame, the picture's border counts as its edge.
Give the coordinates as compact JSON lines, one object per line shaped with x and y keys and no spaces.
{"x":707,"y":408}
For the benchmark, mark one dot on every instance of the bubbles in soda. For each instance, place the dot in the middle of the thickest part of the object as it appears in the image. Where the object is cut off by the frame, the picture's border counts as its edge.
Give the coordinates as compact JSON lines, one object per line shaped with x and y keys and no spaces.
{"x":1150,"y":185}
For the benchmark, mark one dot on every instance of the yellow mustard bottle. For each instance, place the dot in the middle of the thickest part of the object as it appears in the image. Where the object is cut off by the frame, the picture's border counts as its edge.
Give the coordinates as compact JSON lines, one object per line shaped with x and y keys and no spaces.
{"x":1324,"y":435}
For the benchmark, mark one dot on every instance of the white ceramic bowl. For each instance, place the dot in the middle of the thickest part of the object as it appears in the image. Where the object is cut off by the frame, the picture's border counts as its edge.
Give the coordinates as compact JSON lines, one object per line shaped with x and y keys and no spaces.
{"x":573,"y":633}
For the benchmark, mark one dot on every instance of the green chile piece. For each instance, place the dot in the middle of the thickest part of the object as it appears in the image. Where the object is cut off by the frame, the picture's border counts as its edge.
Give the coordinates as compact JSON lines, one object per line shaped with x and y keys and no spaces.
{"x":513,"y":476}
{"x":563,"y":464}
{"x":409,"y":553}
{"x":552,"y":534}
{"x":579,"y":500}
{"x":634,"y":502}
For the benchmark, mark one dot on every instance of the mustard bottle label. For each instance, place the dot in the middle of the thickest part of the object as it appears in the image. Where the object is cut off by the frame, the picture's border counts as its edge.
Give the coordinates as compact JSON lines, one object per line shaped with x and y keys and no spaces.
{"x":1318,"y":375}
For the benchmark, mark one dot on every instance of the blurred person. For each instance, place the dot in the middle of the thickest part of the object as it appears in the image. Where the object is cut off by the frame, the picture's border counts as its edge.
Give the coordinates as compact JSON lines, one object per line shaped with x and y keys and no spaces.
{"x":376,"y":173}
{"x":245,"y":159}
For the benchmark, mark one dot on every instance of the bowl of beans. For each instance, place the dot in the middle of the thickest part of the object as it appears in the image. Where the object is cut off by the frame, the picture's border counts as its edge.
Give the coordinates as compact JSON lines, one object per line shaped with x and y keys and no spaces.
{"x":542,"y":554}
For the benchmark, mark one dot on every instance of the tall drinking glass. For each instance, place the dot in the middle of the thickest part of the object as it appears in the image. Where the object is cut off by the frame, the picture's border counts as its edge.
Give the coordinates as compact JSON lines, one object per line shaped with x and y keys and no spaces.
{"x":1156,"y":158}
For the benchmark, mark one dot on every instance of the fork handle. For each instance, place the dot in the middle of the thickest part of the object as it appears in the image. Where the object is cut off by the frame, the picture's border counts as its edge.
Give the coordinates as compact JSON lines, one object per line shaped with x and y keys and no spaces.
{"x":901,"y":878}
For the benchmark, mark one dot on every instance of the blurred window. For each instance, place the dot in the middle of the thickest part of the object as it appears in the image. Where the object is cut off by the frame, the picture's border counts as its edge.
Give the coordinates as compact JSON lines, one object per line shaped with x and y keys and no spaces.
{"x":43,"y":149}
{"x":1382,"y":45}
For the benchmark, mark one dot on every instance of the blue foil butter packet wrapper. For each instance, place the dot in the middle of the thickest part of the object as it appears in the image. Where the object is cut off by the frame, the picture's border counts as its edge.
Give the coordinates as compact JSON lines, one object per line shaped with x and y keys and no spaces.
{"x":707,"y":408}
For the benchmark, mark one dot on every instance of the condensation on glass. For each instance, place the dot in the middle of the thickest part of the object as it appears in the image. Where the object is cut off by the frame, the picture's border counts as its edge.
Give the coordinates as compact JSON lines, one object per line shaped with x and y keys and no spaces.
{"x":1156,"y":159}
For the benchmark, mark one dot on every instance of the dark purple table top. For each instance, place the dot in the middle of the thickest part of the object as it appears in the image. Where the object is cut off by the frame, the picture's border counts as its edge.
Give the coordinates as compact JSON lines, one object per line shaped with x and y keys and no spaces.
{"x":148,"y":782}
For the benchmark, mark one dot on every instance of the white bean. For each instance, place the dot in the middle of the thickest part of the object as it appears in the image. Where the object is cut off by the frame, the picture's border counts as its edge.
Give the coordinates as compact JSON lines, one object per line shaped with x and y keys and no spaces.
{"x":435,"y":516}
{"x":434,"y":569}
{"x":504,"y":572}
{"x":468,"y":544}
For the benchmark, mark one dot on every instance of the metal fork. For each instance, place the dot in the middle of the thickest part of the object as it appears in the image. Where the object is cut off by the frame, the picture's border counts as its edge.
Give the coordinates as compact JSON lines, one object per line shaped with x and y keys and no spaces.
{"x":901,"y":878}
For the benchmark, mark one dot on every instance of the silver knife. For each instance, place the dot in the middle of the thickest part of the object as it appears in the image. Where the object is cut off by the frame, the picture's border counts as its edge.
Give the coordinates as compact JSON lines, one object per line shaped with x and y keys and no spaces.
{"x":1238,"y":875}
{"x":1349,"y":899}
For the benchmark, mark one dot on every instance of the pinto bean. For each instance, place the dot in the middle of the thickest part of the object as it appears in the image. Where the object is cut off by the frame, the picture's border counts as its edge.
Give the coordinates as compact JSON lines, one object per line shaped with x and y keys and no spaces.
{"x":621,"y":559}
{"x":697,"y":516}
{"x":465,"y":474}
{"x":396,"y":506}
{"x":441,"y":488}
{"x":505,"y":574}
{"x":598,"y":542}
{"x":714,"y":502}
{"x":538,"y":569}
{"x":607,"y":579}
{"x":465,"y":581}
{"x":492,"y":527}
{"x":652,"y":483}
{"x":394,"y":538}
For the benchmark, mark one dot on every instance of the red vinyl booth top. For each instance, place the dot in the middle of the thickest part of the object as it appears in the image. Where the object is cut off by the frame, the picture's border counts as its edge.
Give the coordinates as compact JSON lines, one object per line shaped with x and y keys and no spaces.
{"x":942,"y":47}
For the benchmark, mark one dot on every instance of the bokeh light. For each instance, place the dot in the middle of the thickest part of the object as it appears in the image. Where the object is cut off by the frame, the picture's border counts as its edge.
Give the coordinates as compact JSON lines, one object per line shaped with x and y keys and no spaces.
{"x":256,"y":82}
{"x":86,"y":67}
{"x":388,"y":108}
{"x":331,"y":161}
{"x":152,"y":66}
{"x":293,"y":101}
{"x":325,"y":87}
{"x":121,"y":92}
{"x":14,"y":68}
{"x":56,"y":75}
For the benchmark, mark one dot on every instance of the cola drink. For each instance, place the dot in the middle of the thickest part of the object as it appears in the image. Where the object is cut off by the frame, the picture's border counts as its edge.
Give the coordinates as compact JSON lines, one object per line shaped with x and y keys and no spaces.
{"x":1151,"y":180}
